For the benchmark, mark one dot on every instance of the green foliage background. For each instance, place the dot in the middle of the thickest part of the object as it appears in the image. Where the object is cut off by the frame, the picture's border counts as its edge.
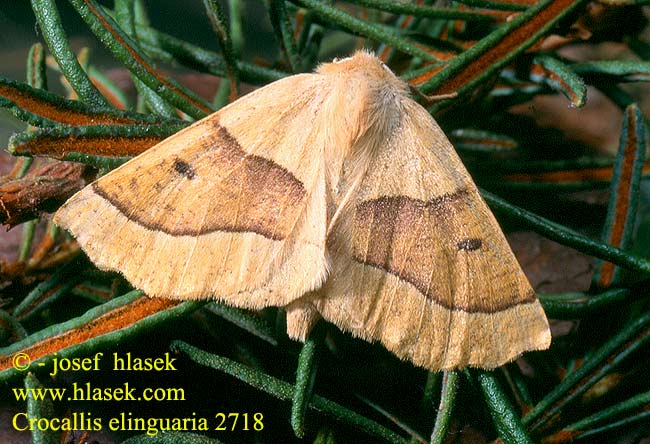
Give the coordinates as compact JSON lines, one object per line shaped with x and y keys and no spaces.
{"x":334,"y":388}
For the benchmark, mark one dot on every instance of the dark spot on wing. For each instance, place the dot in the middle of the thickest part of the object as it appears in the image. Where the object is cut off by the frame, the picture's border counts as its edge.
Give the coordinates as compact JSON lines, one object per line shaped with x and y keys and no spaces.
{"x":184,"y":168}
{"x":470,"y":244}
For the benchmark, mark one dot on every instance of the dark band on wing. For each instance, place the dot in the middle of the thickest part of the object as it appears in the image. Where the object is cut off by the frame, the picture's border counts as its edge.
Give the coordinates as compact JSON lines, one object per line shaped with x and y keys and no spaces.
{"x":403,"y":237}
{"x":242,"y":192}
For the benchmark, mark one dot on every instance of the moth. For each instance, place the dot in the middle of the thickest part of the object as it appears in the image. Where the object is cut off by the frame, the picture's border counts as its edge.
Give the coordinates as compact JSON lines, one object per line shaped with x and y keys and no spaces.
{"x":333,"y":195}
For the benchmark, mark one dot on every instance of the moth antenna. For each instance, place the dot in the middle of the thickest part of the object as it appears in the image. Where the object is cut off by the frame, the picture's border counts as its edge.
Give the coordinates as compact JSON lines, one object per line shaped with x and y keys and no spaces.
{"x":344,"y":202}
{"x":428,"y":100}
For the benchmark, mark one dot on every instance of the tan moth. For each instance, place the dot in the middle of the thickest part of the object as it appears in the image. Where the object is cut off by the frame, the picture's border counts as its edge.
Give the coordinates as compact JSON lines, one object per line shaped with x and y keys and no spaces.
{"x":331,"y":194}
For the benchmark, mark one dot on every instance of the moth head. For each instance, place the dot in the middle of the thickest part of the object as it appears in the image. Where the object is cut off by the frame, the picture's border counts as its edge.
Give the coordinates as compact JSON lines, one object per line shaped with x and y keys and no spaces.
{"x":365,"y":64}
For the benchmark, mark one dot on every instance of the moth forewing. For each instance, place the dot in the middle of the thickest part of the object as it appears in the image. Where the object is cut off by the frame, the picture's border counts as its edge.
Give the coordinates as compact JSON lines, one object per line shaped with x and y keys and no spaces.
{"x":421,"y":264}
{"x":227,"y":208}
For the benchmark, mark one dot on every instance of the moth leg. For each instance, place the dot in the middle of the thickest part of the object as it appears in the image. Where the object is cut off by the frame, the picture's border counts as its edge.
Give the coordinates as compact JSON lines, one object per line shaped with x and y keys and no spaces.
{"x":301,"y":318}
